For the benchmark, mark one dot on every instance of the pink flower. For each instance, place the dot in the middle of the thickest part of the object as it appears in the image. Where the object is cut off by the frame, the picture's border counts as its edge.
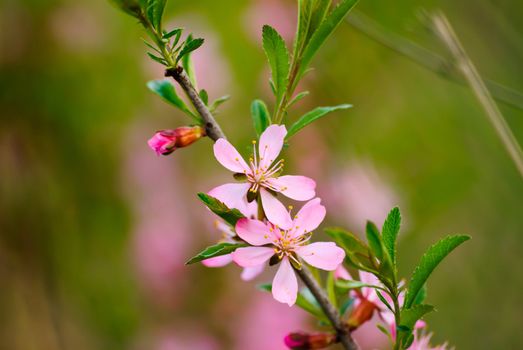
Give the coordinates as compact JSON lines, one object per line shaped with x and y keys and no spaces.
{"x":250,"y":210}
{"x":228,"y":233}
{"x":262,"y":175}
{"x":165,"y":142}
{"x":287,"y":244}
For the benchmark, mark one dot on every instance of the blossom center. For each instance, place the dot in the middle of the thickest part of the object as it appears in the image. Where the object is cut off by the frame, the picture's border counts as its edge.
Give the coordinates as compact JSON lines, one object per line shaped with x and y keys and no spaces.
{"x":261,"y":171}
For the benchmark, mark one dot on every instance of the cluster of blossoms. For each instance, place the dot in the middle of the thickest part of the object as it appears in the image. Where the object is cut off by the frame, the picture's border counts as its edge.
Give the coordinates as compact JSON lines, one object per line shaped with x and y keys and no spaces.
{"x":275,"y":235}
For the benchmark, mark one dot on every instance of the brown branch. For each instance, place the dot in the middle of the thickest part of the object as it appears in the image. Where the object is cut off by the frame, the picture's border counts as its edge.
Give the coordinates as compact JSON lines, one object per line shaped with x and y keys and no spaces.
{"x":211,"y":126}
{"x":330,"y":311}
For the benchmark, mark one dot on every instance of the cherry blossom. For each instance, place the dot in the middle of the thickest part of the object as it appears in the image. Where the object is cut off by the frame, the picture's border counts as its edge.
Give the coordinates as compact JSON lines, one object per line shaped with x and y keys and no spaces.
{"x":261,"y":176}
{"x":288,"y":246}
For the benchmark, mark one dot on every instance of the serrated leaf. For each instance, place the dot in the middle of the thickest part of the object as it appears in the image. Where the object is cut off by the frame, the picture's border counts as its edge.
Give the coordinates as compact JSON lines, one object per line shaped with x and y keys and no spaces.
{"x":261,"y":118}
{"x":216,"y":103}
{"x":421,"y":296}
{"x":204,"y":96}
{"x":165,"y":90}
{"x":432,"y":257}
{"x":346,"y":240}
{"x":297,"y":98}
{"x":189,"y":46}
{"x":154,"y":12}
{"x":278,"y":56}
{"x":230,"y":215}
{"x":327,"y":26}
{"x":390,"y":231}
{"x":311,"y":116}
{"x":157,"y":59}
{"x":305,"y":300}
{"x":215,"y":250}
{"x":374,"y":239}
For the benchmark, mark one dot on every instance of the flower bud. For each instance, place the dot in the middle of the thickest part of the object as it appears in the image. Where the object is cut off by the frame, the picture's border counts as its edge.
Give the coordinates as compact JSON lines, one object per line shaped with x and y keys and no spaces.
{"x":361,"y":314}
{"x":305,"y":341}
{"x":165,"y":142}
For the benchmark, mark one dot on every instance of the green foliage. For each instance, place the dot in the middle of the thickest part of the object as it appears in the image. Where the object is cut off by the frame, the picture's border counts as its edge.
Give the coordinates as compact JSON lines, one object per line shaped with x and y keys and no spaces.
{"x":204,"y":96}
{"x":131,"y":7}
{"x":432,"y":257}
{"x":297,"y":98}
{"x":357,"y":252}
{"x":278,"y":57}
{"x":409,"y":317}
{"x":189,"y":46}
{"x":327,"y":26}
{"x":231,"y":216}
{"x":311,"y":116}
{"x":215,"y":250}
{"x":345,"y":285}
{"x":175,"y":34}
{"x":331,"y":289}
{"x":165,"y":90}
{"x":390,"y":231}
{"x":154,"y":12}
{"x":374,"y":239}
{"x":305,"y":300}
{"x":261,"y":118}
{"x":216,"y":103}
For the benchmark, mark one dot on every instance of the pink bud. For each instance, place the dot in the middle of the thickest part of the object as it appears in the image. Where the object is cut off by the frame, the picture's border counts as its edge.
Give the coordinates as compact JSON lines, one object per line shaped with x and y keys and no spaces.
{"x":305,"y":341}
{"x":165,"y":142}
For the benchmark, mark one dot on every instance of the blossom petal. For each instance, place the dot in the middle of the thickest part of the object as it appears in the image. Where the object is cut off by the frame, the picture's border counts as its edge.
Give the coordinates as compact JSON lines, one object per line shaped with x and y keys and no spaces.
{"x":275,"y":210}
{"x":234,"y":195}
{"x":309,"y":217}
{"x":250,"y":273}
{"x":285,"y":284}
{"x":342,"y":273}
{"x":218,"y":261}
{"x":370,"y":293}
{"x":271,"y":143}
{"x":229,"y":157}
{"x":300,"y":188}
{"x":254,"y":232}
{"x":323,"y":255}
{"x":252,"y":256}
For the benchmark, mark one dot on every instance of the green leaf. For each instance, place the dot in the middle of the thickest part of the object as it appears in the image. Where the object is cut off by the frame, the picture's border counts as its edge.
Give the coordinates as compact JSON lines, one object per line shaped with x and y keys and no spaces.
{"x":216,"y":103}
{"x":411,"y":315}
{"x":165,"y":90}
{"x":432,"y":257}
{"x":157,"y":59}
{"x":188,"y":67}
{"x":204,"y":96}
{"x":347,"y":240}
{"x":311,"y":116}
{"x":189,"y":46}
{"x":347,"y":285}
{"x":215,"y":250}
{"x":374,"y":239}
{"x":278,"y":57}
{"x":326,"y":28}
{"x":155,"y":10}
{"x":297,"y":98}
{"x":177,"y":32}
{"x":261,"y":118}
{"x":390,"y":231}
{"x":131,"y":7}
{"x":384,"y":301}
{"x":231,"y":216}
{"x":421,"y":296}
{"x":305,"y":300}
{"x":331,"y":289}
{"x":345,"y":306}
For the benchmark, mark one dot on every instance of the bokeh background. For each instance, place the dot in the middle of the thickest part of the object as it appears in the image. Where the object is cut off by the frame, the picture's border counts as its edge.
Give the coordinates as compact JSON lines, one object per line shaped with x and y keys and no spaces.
{"x":95,"y":228}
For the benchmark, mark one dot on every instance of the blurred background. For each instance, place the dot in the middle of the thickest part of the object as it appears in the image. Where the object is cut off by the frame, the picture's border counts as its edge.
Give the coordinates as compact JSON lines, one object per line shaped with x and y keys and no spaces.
{"x":95,"y":228}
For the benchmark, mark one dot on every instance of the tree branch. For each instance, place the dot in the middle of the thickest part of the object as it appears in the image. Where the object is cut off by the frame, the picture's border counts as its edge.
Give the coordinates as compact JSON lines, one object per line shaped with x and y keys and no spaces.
{"x":211,"y":126}
{"x":330,"y":311}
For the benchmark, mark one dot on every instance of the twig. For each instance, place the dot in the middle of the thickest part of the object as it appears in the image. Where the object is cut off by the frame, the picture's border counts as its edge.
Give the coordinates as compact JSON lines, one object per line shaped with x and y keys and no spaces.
{"x":427,"y":58}
{"x":447,"y":35}
{"x":327,"y":307}
{"x":211,"y":126}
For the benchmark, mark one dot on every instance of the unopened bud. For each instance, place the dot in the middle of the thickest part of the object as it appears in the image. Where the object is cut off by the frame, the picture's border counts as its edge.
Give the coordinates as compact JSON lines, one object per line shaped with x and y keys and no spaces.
{"x":165,"y":142}
{"x":305,"y":341}
{"x":361,"y":314}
